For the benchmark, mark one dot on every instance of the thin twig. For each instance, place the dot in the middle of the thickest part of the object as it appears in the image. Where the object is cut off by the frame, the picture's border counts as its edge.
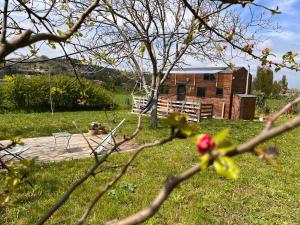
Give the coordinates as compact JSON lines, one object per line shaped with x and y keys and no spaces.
{"x":174,"y":181}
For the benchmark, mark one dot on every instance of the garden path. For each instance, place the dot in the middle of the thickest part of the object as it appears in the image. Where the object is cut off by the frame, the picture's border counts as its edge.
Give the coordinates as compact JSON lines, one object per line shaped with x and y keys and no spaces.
{"x":44,"y":147}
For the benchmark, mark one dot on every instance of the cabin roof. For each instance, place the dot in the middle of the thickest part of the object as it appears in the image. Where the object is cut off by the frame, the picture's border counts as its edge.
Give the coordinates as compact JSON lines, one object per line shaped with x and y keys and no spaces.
{"x":246,"y":95}
{"x":203,"y":70}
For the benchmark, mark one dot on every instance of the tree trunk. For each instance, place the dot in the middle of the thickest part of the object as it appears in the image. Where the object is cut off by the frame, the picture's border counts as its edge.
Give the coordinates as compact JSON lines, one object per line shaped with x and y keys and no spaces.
{"x":153,"y":117}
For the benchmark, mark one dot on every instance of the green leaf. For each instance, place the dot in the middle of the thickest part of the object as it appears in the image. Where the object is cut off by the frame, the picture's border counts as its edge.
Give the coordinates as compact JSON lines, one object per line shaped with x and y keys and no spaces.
{"x":277,"y":69}
{"x":204,"y":160}
{"x":142,"y":49}
{"x":225,"y":146}
{"x":227,"y":167}
{"x":60,"y":33}
{"x":221,"y":136}
{"x":219,"y":48}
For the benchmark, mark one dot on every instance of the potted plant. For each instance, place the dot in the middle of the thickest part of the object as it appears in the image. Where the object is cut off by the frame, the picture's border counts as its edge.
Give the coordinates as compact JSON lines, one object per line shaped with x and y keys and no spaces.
{"x":94,"y":128}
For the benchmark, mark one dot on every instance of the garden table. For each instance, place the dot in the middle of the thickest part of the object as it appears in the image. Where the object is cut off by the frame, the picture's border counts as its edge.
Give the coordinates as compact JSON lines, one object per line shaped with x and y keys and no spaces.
{"x":66,"y":135}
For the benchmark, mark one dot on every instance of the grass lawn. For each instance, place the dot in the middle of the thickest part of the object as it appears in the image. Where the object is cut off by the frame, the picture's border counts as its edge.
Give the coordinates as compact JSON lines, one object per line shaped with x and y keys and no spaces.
{"x":261,"y":195}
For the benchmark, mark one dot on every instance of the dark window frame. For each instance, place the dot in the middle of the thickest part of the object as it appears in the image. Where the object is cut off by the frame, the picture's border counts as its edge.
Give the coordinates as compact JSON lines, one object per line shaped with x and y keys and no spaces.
{"x":209,"y":77}
{"x":222,"y":92}
{"x":198,"y":94}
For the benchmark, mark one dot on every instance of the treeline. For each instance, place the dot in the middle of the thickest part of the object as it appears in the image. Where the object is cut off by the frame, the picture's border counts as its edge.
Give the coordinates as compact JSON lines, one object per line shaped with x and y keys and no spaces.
{"x":264,"y":83}
{"x":110,"y":77}
{"x":39,"y":93}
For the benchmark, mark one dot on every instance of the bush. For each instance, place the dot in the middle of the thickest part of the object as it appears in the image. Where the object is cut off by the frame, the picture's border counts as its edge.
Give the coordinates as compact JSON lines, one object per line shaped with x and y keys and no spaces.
{"x":20,"y":92}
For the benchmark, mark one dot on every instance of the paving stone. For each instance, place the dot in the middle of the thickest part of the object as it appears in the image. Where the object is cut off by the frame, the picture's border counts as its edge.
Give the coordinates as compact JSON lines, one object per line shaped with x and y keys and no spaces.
{"x":44,"y":148}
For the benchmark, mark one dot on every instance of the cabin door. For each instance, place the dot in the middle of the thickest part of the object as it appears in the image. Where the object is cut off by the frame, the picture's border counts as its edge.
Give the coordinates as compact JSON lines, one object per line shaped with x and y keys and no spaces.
{"x":181,"y":92}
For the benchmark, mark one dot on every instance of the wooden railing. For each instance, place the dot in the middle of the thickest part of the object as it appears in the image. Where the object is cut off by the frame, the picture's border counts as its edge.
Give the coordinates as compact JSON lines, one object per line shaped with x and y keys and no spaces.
{"x":196,"y":110}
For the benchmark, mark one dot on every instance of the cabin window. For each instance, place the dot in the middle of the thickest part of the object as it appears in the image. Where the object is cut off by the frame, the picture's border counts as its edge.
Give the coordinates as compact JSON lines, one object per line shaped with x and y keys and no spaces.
{"x":200,"y":92}
{"x":210,"y":77}
{"x":164,"y":89}
{"x":219,"y":92}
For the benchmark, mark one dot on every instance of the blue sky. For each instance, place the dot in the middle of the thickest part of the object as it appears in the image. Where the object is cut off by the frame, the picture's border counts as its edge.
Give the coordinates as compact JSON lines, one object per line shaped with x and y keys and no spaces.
{"x":289,"y":37}
{"x":286,"y":39}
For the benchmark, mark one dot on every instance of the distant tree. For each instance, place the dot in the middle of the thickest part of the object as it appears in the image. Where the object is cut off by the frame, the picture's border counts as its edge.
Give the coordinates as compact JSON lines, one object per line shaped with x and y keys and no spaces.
{"x":284,"y":84}
{"x":277,"y":89}
{"x":264,"y":80}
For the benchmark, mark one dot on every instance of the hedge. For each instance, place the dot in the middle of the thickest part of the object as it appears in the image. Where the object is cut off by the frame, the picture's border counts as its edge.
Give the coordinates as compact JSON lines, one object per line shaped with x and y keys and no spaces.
{"x":20,"y":92}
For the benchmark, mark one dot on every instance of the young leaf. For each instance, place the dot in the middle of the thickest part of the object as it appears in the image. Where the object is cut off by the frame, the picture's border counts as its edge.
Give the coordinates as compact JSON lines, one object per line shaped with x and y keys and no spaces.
{"x":221,"y":136}
{"x":226,"y":167}
{"x":225,"y":146}
{"x":204,"y":160}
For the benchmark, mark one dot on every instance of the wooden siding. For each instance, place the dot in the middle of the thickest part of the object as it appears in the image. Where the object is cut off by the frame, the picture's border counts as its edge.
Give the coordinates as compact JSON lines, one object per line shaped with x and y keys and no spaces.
{"x":243,"y":108}
{"x":193,"y":81}
{"x":231,"y":83}
{"x":239,"y":81}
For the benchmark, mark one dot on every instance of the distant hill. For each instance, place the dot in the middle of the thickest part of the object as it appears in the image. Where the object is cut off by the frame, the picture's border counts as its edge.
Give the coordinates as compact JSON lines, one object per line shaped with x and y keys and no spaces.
{"x":44,"y":66}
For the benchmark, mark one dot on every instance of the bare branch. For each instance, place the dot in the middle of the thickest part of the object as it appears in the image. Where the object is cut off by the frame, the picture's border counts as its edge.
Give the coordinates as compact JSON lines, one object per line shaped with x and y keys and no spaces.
{"x":27,"y":37}
{"x":4,"y":23}
{"x":89,"y":173}
{"x":174,"y":181}
{"x":137,"y":151}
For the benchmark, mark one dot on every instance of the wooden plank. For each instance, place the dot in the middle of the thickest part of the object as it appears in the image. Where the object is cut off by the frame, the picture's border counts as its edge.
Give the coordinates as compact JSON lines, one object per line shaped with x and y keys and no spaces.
{"x":195,"y":110}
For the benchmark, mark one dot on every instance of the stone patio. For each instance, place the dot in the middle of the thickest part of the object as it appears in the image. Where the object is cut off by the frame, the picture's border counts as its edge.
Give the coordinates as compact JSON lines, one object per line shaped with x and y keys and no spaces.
{"x":44,"y":147}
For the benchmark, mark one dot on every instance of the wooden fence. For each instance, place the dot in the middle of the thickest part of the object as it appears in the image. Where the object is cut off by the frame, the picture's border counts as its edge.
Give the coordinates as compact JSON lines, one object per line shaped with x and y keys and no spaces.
{"x":196,"y":110}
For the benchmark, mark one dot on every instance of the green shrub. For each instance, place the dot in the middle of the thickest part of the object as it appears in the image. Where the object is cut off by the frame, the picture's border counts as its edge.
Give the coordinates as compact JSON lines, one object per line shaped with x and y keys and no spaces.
{"x":20,"y":92}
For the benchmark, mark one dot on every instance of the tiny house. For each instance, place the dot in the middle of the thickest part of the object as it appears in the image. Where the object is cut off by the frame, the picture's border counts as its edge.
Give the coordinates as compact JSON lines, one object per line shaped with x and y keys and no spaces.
{"x":227,"y":89}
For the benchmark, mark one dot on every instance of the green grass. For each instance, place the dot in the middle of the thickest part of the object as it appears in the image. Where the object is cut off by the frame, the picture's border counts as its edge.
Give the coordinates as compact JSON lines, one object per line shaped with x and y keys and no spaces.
{"x":276,"y":104}
{"x":122,"y":98}
{"x":44,"y":124}
{"x":261,"y":195}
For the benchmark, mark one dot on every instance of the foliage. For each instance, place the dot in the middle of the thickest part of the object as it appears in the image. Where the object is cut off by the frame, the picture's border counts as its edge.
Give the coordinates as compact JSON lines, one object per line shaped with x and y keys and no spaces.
{"x":277,"y":89}
{"x":14,"y":177}
{"x":280,"y":87}
{"x":260,"y":99}
{"x":180,"y":127}
{"x":94,"y":126}
{"x":264,"y":80}
{"x":33,"y":94}
{"x":284,"y":84}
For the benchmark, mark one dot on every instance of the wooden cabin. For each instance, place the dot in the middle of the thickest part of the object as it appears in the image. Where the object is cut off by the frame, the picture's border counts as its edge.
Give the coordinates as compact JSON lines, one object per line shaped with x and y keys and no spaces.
{"x":227,"y":89}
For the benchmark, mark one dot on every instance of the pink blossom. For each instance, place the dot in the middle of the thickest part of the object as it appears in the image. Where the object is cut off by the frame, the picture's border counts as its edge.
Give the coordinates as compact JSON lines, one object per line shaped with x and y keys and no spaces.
{"x":205,"y":143}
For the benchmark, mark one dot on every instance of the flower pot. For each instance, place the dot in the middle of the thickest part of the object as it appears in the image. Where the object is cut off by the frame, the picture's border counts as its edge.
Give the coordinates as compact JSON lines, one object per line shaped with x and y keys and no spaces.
{"x":102,"y":131}
{"x":93,"y":132}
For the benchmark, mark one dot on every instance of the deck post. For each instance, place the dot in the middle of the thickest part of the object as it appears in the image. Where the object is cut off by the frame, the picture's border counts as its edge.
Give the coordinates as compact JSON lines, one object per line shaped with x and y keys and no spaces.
{"x":133,"y":104}
{"x":168,"y":107}
{"x":199,"y":112}
{"x":182,"y":107}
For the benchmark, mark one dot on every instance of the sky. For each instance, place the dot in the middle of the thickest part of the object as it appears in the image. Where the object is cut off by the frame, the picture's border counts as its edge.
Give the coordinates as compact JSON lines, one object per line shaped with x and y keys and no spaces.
{"x":287,"y":38}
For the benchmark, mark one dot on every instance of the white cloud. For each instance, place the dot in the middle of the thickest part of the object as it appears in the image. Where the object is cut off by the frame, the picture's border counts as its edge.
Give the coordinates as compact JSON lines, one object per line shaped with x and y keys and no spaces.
{"x":288,"y":6}
{"x":284,"y":35}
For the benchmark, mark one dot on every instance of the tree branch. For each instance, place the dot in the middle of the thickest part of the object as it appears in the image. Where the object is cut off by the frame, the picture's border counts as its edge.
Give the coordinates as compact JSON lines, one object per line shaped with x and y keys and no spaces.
{"x":174,"y":181}
{"x":137,"y":151}
{"x":27,"y":37}
{"x":4,"y":23}
{"x":90,"y":172}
